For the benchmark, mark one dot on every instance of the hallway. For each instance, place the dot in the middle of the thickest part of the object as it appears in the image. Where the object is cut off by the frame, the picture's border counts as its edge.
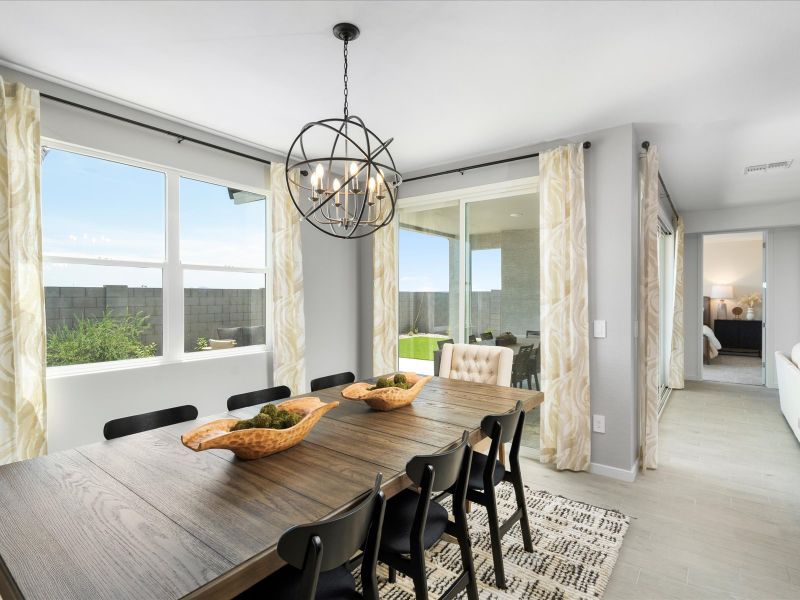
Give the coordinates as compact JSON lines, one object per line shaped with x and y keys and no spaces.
{"x":720,"y":517}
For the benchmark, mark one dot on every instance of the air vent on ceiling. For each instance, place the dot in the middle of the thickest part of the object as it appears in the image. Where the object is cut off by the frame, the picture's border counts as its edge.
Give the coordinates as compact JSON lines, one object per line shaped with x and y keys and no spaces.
{"x":767,"y":167}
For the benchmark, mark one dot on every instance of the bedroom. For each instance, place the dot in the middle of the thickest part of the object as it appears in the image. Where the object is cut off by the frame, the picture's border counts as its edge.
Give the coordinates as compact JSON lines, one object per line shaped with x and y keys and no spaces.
{"x":733,"y":303}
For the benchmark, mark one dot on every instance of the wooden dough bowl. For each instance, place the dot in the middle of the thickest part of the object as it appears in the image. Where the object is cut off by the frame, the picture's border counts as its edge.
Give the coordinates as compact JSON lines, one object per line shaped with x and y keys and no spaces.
{"x":249,"y":444}
{"x":387,"y":398}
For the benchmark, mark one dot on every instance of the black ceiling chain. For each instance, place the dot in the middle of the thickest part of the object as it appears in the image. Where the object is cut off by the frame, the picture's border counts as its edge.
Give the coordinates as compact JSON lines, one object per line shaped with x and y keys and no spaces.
{"x":346,"y":112}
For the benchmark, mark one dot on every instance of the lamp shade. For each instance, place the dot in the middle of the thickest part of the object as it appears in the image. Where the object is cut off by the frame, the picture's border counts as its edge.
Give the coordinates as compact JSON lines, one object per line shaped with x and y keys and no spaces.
{"x":721,"y":292}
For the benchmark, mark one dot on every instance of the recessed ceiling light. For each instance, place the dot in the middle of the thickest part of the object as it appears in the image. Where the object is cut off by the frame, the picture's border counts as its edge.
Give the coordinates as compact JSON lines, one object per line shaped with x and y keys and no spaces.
{"x":515,"y":215}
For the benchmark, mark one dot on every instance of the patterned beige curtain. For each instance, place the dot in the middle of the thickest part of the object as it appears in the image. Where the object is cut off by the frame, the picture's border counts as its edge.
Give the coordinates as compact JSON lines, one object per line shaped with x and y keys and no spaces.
{"x":676,"y":355}
{"x":23,"y":405}
{"x":648,"y":310}
{"x":565,"y":420}
{"x":384,"y":300}
{"x":289,"y":324}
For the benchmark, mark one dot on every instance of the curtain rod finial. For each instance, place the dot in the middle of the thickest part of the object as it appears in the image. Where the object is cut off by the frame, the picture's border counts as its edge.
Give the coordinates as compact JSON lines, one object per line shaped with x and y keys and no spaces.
{"x":587,"y":145}
{"x":645,"y":145}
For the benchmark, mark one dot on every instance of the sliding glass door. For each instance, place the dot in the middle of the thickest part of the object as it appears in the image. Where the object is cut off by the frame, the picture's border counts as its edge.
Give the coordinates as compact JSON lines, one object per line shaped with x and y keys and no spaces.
{"x":468,"y":271}
{"x":428,"y":268}
{"x":502,"y":277}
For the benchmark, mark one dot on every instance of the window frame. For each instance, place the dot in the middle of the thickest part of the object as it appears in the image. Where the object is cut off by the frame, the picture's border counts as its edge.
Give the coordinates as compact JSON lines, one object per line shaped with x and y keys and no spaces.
{"x":171,"y":269}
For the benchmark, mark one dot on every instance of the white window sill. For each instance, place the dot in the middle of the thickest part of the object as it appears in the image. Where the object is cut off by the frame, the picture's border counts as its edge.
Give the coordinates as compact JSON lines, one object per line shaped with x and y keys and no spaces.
{"x":143,"y":363}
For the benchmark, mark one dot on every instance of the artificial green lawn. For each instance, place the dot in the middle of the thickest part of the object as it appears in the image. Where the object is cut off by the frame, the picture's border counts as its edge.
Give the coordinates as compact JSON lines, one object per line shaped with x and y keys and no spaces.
{"x":420,"y":347}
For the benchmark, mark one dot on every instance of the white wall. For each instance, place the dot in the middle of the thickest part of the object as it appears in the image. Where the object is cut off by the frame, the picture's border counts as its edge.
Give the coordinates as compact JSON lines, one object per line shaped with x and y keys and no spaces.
{"x":79,"y":404}
{"x":738,"y":263}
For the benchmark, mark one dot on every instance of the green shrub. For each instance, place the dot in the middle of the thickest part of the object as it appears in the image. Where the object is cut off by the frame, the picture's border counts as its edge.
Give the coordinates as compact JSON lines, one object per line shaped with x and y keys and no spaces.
{"x":101,"y":339}
{"x":200,"y":344}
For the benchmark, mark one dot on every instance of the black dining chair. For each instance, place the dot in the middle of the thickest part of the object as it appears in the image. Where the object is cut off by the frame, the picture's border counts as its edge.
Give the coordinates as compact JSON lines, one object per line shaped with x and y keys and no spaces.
{"x":137,"y":423}
{"x":536,"y":364}
{"x":318,"y":555}
{"x":414,"y":522}
{"x":258,"y":397}
{"x":532,"y":333}
{"x":329,"y":381}
{"x":441,"y":343}
{"x":522,"y":367}
{"x":473,"y":339}
{"x":487,"y":472}
{"x":487,"y":336}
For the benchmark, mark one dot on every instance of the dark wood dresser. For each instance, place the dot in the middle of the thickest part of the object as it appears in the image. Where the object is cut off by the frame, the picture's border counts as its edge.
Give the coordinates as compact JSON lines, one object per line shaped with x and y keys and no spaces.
{"x":739,"y":336}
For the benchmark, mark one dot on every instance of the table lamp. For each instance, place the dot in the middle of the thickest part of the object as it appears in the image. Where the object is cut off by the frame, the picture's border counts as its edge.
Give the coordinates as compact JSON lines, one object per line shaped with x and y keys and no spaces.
{"x":721,"y":293}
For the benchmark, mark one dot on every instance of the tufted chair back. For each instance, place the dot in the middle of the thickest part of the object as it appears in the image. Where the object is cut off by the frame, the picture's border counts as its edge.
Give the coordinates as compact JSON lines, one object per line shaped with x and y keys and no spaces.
{"x":481,"y":364}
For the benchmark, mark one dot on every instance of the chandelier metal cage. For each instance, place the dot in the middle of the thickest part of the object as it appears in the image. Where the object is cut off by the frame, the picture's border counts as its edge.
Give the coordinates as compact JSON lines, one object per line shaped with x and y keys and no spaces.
{"x":351,"y":191}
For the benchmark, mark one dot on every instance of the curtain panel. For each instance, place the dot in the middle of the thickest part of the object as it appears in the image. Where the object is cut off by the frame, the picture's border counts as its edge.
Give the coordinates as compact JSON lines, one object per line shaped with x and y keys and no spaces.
{"x":648,"y":310}
{"x":384,"y":300}
{"x":565,"y":414}
{"x":676,"y":355}
{"x":288,"y":323}
{"x":23,"y":405}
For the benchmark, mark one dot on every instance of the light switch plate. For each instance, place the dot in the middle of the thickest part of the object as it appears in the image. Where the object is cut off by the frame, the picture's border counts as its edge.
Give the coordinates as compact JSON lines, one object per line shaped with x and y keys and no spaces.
{"x":599,"y":424}
{"x":600,"y":329}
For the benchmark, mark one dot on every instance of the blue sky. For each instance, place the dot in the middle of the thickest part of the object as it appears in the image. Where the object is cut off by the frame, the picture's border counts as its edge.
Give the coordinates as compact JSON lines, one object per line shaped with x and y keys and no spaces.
{"x":96,"y":208}
{"x":101,"y":209}
{"x":424,"y":264}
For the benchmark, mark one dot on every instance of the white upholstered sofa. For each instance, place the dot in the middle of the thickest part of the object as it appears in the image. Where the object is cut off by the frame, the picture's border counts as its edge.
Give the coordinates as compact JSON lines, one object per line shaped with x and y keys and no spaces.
{"x":474,"y":362}
{"x":788,"y":368}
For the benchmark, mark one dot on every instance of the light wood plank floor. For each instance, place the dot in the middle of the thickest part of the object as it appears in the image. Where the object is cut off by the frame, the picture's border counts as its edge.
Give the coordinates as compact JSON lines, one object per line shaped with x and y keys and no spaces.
{"x":720,"y":517}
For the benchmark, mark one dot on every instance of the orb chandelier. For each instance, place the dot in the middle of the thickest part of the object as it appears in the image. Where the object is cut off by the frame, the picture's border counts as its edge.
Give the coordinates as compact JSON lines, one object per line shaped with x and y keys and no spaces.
{"x":340,"y":174}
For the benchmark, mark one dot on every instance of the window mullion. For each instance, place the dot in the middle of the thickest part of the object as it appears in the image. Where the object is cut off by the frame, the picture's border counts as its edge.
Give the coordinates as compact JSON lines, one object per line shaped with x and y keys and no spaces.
{"x":173,"y":274}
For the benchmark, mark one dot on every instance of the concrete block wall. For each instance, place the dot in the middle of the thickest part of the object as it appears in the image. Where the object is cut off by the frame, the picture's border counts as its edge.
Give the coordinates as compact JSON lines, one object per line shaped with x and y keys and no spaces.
{"x":204,"y":309}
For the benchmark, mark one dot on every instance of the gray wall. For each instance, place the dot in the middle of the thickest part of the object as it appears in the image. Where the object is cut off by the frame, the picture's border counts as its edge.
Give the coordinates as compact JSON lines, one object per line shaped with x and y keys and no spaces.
{"x":692,"y":306}
{"x":783,"y":292}
{"x":332,"y":303}
{"x":612,"y":222}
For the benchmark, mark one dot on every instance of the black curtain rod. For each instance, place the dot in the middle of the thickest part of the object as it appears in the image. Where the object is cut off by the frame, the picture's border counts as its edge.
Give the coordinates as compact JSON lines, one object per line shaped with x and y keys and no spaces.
{"x":645,"y":146}
{"x":180,"y":137}
{"x":461,"y":170}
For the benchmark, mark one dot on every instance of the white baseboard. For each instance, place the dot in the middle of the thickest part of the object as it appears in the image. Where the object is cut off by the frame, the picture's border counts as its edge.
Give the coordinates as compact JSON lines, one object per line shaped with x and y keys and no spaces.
{"x":628,"y":475}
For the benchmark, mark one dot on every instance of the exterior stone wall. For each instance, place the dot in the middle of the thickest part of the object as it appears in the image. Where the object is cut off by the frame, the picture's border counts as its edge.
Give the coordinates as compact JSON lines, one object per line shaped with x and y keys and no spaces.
{"x":205,"y":309}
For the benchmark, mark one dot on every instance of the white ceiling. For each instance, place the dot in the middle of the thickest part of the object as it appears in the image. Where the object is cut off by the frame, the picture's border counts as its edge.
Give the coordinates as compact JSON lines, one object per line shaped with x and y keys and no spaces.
{"x":715,"y":85}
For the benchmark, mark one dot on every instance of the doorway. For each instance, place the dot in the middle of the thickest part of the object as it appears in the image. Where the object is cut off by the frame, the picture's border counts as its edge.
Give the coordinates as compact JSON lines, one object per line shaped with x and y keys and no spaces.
{"x":733,"y":307}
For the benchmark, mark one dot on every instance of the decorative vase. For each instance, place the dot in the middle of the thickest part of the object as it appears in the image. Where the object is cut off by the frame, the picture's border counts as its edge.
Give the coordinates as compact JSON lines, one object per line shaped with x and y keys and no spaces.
{"x":750,"y":315}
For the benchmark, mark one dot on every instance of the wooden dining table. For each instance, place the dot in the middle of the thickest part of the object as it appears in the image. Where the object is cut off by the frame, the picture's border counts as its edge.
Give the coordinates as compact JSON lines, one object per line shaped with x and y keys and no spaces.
{"x":145,"y":517}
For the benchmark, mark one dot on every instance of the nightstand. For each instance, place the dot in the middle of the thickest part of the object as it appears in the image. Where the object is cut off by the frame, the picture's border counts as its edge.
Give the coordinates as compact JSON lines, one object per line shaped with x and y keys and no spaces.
{"x":739,"y":336}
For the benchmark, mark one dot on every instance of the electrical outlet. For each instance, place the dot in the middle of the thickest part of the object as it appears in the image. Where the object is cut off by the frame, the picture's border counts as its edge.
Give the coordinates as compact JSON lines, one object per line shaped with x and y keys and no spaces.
{"x":599,"y":424}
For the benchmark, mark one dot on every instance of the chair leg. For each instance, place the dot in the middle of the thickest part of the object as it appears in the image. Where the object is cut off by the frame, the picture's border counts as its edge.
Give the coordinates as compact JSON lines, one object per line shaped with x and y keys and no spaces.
{"x":465,"y":545}
{"x":536,"y":378}
{"x":519,"y":492}
{"x":392,"y":575}
{"x":494,"y":534}
{"x":420,"y":579}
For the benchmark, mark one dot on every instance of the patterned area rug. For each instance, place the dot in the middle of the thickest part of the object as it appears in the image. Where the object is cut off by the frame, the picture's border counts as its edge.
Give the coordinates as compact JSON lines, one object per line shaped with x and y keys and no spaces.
{"x":575,"y":548}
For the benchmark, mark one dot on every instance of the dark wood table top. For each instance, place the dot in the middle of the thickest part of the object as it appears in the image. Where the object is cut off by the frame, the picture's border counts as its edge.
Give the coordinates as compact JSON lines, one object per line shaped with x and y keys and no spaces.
{"x":144,"y":517}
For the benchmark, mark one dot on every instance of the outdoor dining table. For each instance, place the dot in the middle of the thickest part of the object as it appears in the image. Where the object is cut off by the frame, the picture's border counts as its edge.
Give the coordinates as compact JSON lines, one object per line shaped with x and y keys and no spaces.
{"x":145,"y":517}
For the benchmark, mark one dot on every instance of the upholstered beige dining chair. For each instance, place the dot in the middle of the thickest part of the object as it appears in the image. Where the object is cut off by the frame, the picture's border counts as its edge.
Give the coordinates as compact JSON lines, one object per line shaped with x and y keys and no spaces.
{"x":473,"y":362}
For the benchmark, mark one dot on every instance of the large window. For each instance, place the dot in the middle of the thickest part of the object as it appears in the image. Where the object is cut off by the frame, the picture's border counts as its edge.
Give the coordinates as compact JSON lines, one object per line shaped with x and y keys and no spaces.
{"x":144,"y":262}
